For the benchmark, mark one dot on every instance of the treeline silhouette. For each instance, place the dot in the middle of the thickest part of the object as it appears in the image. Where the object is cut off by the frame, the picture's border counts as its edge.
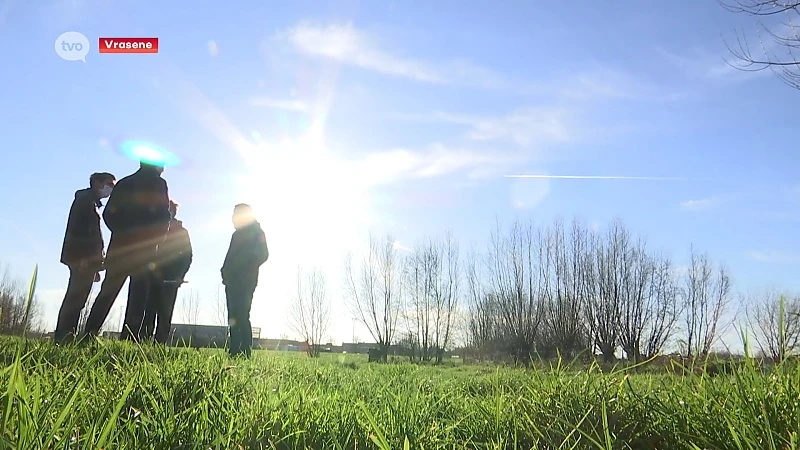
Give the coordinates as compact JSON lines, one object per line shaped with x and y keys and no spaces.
{"x":559,"y":290}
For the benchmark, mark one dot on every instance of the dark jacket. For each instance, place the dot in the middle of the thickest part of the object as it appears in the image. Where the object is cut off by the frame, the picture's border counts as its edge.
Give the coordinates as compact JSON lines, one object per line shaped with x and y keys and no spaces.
{"x":175,"y":253}
{"x":137,"y":213}
{"x":83,"y":240}
{"x":247,"y":252}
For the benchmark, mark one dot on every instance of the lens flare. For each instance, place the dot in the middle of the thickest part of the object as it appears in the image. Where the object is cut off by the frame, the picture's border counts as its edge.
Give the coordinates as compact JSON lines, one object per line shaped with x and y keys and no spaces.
{"x":149,"y":153}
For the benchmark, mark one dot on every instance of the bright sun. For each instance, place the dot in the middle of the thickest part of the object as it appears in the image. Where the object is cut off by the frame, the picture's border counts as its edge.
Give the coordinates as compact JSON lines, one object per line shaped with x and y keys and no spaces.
{"x":313,"y":205}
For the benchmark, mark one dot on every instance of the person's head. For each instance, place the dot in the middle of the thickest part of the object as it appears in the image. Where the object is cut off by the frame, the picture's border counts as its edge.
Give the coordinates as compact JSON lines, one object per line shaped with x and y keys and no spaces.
{"x":102,"y":183}
{"x":173,"y":208}
{"x":147,"y":166}
{"x":242,"y":215}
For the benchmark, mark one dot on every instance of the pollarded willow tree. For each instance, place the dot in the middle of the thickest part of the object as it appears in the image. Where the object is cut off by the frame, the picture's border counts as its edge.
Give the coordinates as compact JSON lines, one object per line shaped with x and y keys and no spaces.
{"x":774,"y":318}
{"x":706,"y":298}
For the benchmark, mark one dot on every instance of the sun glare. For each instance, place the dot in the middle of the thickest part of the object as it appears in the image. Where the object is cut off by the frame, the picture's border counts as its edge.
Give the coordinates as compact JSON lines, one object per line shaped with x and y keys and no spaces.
{"x":313,"y":204}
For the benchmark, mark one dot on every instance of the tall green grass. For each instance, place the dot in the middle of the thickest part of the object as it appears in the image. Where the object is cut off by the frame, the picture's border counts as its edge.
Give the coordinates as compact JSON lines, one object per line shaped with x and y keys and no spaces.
{"x":118,"y":395}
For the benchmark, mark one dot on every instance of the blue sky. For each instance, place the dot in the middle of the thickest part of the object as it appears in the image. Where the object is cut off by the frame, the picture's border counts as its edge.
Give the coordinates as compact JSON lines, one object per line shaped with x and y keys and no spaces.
{"x":401,"y":117}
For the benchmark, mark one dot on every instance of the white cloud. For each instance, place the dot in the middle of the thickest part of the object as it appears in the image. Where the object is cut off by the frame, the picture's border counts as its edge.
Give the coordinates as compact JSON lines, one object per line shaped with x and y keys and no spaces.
{"x":522,"y":126}
{"x":700,"y":204}
{"x":390,"y":166}
{"x":286,"y":105}
{"x":774,"y":256}
{"x":344,"y":43}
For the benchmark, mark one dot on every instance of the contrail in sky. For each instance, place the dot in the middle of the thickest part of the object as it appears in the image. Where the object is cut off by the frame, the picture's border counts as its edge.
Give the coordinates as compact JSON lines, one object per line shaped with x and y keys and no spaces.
{"x":594,"y":177}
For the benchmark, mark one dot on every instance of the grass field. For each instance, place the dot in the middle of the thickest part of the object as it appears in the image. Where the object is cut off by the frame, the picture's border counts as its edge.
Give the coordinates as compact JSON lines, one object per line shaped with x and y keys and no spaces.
{"x":126,"y":397}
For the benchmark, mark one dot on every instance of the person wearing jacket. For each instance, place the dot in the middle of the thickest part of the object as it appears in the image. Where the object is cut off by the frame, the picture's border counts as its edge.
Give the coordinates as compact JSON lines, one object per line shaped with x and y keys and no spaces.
{"x":247,"y":252}
{"x":173,"y":259}
{"x":137,"y":213}
{"x":82,"y":252}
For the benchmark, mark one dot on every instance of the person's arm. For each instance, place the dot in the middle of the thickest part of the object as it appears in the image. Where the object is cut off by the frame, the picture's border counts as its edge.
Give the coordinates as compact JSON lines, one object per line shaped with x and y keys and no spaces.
{"x":78,"y":231}
{"x":226,"y":264}
{"x":260,"y":249}
{"x":112,"y":213}
{"x":160,"y":207}
{"x":186,"y":253}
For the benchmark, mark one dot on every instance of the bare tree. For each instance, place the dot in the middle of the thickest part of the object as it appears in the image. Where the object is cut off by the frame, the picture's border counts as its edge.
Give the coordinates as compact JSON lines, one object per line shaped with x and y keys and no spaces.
{"x":374,"y":291}
{"x":706,"y":297}
{"x":566,"y":277}
{"x":516,"y":288}
{"x":484,"y":332}
{"x":311,"y":309}
{"x":780,"y":51}
{"x":775,"y":320}
{"x":190,"y":307}
{"x":219,"y":309}
{"x":650,"y":306}
{"x":433,"y":280}
{"x":16,"y":316}
{"x":610,"y":273}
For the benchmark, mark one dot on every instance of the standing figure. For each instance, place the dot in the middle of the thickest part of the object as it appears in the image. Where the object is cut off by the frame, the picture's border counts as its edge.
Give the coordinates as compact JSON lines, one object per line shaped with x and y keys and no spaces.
{"x":173,"y":259}
{"x":82,"y":252}
{"x":138,"y":216}
{"x":246,"y":253}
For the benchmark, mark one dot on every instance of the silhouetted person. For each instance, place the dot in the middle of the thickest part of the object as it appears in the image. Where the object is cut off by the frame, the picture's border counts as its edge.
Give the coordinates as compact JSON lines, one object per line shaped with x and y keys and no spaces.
{"x":137,"y":213}
{"x":173,"y":259}
{"x":246,"y":253}
{"x":82,"y":252}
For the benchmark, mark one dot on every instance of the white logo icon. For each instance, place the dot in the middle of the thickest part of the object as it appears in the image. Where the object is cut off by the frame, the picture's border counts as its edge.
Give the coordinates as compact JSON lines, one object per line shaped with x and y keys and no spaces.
{"x":72,"y":46}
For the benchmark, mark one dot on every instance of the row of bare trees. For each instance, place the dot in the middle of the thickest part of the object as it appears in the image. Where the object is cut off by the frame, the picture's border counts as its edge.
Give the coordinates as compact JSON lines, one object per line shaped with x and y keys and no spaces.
{"x":410,"y":298}
{"x":555,"y":290}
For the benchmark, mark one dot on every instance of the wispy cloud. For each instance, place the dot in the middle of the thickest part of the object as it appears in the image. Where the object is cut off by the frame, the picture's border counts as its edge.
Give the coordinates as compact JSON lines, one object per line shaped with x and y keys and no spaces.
{"x":286,"y":105}
{"x":774,"y":256}
{"x":344,"y":43}
{"x":521,"y":126}
{"x":700,"y":204}
{"x":437,"y":160}
{"x":721,"y":64}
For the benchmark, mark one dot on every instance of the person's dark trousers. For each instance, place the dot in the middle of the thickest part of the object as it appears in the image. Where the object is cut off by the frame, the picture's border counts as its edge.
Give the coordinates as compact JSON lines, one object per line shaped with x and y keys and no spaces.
{"x":138,"y":293}
{"x":166,"y":306}
{"x":109,"y":291}
{"x":154,"y":299}
{"x":78,"y":289}
{"x":240,"y":299}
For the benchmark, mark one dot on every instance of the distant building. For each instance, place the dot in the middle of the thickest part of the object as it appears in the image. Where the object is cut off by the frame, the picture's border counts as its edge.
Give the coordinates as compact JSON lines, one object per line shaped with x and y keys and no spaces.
{"x":190,"y":335}
{"x":358,"y":347}
{"x":282,"y":345}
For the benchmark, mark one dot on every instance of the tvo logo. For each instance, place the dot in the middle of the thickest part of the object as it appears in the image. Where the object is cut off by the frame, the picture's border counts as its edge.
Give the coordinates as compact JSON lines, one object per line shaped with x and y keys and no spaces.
{"x":72,"y":46}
